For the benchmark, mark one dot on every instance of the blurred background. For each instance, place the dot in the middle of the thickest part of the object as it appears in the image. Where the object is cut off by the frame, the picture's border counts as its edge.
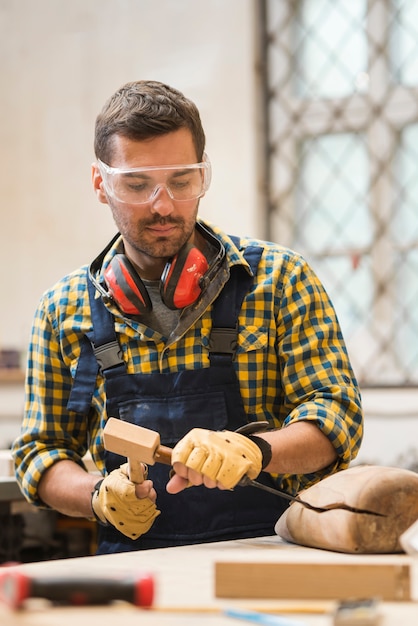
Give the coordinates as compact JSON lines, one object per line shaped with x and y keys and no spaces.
{"x":310,"y":108}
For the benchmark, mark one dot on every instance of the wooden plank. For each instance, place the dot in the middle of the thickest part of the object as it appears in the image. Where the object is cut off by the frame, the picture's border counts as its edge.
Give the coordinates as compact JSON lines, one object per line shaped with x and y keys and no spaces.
{"x":331,"y":581}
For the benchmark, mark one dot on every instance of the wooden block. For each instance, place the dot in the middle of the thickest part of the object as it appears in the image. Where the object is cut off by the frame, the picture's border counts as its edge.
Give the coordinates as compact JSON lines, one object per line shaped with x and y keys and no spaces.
{"x":331,"y":581}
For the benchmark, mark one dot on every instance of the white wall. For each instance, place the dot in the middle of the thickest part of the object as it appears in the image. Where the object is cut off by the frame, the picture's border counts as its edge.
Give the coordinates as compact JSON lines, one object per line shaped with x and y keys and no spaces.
{"x":60,"y":61}
{"x":390,"y":427}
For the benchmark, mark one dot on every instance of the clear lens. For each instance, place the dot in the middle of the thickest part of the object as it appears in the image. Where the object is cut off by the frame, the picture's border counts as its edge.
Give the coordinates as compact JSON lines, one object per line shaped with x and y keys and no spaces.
{"x":140,"y":185}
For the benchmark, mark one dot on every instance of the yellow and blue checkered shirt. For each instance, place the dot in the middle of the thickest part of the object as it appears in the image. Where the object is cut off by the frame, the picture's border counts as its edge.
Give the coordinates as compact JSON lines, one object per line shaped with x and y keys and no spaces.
{"x":291,"y":363}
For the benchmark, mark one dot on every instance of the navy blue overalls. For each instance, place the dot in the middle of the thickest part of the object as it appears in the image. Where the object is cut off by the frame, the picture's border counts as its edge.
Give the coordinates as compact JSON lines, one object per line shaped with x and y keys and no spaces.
{"x":172,"y":404}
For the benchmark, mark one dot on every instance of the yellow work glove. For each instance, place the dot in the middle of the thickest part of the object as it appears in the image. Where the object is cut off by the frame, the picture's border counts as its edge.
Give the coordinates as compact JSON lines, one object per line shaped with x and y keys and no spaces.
{"x":224,"y":456}
{"x":114,"y":502}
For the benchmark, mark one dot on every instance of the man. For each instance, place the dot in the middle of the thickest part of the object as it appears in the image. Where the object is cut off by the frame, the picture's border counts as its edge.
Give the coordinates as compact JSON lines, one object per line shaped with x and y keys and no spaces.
{"x":180,"y":328}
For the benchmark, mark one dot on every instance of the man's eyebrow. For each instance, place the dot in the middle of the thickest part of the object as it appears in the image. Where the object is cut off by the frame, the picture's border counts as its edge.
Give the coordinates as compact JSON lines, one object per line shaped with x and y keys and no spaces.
{"x":182,"y":172}
{"x":143,"y":174}
{"x":136,"y":174}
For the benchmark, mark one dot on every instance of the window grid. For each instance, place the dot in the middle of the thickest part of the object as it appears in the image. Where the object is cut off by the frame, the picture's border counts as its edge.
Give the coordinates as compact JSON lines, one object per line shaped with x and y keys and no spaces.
{"x":368,"y":260}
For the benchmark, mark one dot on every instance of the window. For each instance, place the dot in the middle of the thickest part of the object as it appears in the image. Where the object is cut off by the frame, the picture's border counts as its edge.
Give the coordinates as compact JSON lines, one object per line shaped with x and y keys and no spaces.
{"x":341,"y":102}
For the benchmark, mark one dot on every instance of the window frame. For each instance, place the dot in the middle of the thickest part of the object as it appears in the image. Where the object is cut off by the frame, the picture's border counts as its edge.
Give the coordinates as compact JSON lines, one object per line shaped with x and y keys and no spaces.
{"x":380,"y":114}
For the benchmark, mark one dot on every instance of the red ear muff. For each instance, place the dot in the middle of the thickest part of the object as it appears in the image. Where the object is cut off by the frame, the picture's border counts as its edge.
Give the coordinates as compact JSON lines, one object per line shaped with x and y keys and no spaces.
{"x":180,"y":284}
{"x":125,"y":287}
{"x":181,"y":279}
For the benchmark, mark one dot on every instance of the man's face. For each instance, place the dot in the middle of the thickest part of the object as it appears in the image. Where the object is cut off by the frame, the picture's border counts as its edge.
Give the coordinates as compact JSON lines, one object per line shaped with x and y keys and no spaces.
{"x":155,"y":230}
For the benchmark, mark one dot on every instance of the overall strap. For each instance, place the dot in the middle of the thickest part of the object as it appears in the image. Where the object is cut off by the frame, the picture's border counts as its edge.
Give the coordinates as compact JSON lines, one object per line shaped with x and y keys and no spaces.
{"x":100,"y":349}
{"x":224,"y":335}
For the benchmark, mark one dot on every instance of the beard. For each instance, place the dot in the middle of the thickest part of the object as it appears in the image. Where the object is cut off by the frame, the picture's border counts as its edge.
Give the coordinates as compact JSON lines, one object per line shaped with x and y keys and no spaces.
{"x":140,"y":237}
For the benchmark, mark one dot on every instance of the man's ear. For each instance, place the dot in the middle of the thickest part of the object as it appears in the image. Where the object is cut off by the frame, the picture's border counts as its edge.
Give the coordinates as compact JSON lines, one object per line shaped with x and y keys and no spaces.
{"x":98,"y":185}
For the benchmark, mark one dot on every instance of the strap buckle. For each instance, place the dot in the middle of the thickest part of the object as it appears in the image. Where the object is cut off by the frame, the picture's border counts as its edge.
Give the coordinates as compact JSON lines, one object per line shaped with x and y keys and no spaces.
{"x":223,"y":340}
{"x":109,"y":355}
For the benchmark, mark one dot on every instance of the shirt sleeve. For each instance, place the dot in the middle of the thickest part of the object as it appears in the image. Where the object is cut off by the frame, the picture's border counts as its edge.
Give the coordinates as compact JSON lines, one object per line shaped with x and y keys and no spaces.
{"x":319,"y":384}
{"x":49,"y":432}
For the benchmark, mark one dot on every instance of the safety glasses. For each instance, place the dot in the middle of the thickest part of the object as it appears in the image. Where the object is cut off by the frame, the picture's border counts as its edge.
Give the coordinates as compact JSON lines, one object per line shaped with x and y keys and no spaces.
{"x":141,"y":184}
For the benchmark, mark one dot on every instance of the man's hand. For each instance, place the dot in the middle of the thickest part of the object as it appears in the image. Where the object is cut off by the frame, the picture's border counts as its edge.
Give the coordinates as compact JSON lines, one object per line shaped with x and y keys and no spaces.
{"x":115,"y":502}
{"x":214,"y":459}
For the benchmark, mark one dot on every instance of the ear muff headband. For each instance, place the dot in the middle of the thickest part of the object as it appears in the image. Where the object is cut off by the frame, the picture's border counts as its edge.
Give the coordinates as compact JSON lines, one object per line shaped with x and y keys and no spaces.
{"x":125,"y":286}
{"x":181,"y":280}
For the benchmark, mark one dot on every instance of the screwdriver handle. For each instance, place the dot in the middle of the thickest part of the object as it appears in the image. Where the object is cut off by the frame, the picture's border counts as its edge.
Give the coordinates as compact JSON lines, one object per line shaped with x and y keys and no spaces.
{"x":16,"y":587}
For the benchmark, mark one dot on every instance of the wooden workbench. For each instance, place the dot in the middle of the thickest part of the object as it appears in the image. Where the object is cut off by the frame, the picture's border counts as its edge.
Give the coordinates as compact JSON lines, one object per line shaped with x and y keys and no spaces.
{"x":185,"y":578}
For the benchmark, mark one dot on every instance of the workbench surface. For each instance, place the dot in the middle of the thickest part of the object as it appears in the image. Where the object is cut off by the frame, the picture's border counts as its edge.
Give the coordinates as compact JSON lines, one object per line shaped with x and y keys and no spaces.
{"x":185,"y":587}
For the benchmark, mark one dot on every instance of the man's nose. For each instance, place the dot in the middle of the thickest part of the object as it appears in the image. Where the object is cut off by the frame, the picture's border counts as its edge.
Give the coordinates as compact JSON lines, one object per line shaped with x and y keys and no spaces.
{"x":161,"y":201}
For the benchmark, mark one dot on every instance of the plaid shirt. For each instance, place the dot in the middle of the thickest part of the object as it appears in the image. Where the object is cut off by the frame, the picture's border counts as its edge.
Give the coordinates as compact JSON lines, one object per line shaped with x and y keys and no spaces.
{"x":291,"y":364}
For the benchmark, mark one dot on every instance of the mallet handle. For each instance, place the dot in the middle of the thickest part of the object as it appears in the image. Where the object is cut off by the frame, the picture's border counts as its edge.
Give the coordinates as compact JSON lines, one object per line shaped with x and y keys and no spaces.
{"x":135,"y":471}
{"x":135,"y":467}
{"x":163,"y":455}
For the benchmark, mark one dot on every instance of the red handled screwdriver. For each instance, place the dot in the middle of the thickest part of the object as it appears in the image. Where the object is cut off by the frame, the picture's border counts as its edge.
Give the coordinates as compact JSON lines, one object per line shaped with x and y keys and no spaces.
{"x":16,"y":587}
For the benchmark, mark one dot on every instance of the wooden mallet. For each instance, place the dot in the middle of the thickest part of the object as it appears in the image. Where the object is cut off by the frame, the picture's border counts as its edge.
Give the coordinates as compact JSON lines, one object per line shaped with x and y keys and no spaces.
{"x":139,"y":445}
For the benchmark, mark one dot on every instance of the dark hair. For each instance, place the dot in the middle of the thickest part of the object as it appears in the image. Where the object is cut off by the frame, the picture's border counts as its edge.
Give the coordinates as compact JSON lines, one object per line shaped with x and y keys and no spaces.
{"x":143,"y":109}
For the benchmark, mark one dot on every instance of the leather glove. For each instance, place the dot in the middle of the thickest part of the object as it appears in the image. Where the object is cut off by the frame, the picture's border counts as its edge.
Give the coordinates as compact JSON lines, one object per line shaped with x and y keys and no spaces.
{"x":114,"y":502}
{"x":224,"y":456}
